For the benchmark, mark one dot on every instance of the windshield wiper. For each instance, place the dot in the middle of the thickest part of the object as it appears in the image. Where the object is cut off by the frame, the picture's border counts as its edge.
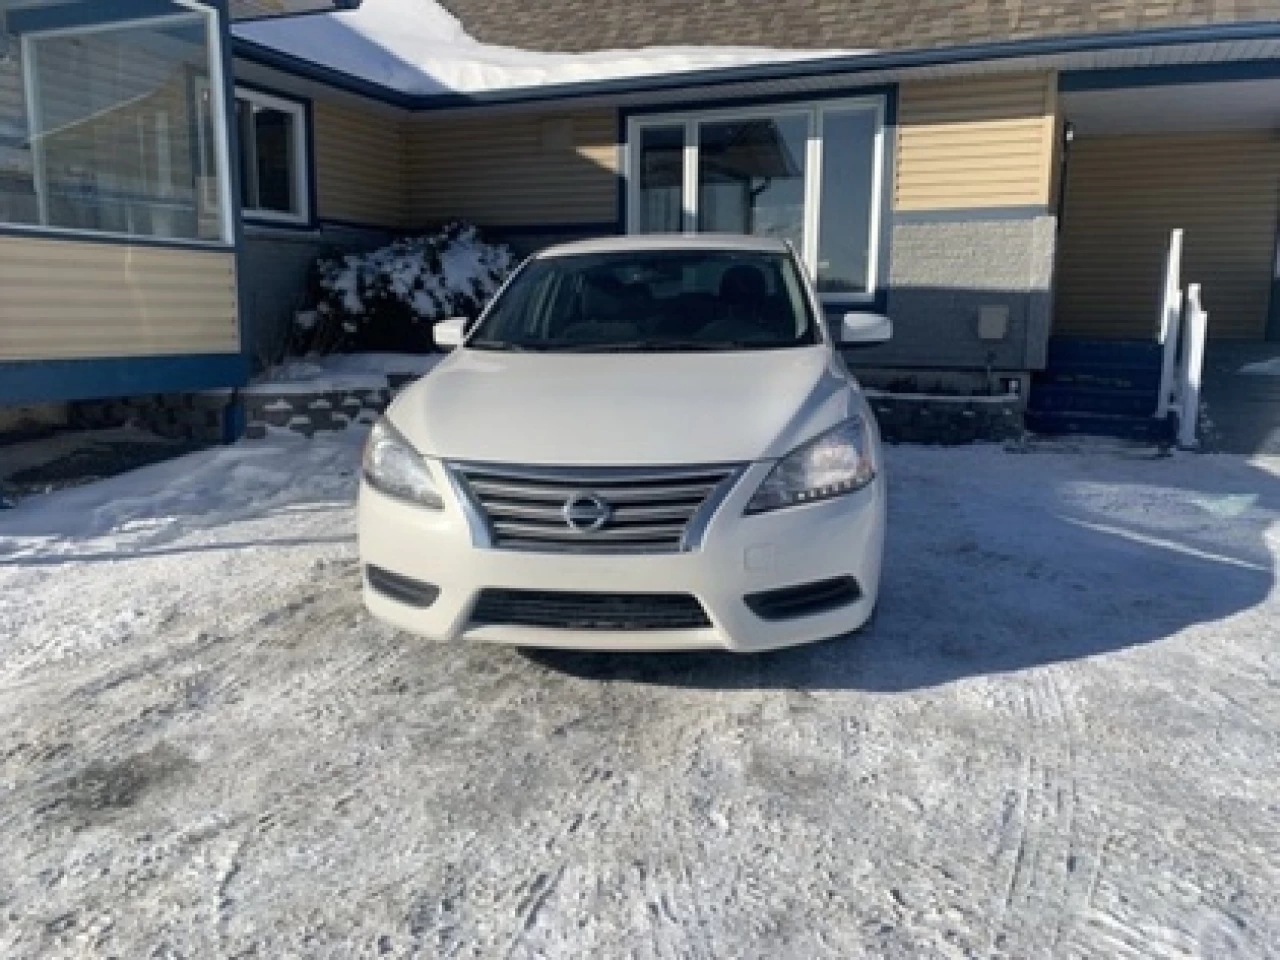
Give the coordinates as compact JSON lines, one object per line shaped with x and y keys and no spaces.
{"x":663,"y":346}
{"x":504,"y":345}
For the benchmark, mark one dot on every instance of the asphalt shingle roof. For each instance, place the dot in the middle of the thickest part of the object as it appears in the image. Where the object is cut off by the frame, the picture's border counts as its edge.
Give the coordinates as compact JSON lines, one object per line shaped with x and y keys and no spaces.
{"x":580,"y":25}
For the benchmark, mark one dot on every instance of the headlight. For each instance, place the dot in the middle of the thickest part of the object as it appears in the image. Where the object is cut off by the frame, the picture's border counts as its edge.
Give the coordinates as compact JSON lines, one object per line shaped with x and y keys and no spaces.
{"x":834,"y":463}
{"x":392,"y":466}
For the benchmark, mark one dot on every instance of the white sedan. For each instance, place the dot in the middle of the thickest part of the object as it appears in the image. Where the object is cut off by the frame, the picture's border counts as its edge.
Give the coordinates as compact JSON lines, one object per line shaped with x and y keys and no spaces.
{"x":644,"y":443}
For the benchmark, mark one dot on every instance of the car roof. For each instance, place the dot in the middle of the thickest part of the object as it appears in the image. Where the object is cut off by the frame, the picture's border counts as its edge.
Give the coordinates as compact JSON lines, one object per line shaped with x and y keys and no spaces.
{"x":655,"y":242}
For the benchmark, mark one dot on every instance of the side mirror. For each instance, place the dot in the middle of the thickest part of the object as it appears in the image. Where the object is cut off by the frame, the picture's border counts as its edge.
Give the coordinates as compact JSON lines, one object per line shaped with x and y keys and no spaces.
{"x":865,"y":329}
{"x":449,"y":333}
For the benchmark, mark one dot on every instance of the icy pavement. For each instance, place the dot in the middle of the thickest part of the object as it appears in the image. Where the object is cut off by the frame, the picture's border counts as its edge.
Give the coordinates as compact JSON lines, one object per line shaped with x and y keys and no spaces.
{"x":1059,"y":737}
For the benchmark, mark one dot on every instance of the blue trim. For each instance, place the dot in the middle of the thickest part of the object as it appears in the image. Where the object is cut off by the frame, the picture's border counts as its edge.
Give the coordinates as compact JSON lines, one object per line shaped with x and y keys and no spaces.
{"x":338,"y":6}
{"x":309,"y":134}
{"x":54,"y":233}
{"x":40,"y":19}
{"x":39,"y":381}
{"x":237,"y":214}
{"x":1112,"y":79}
{"x":823,"y":67}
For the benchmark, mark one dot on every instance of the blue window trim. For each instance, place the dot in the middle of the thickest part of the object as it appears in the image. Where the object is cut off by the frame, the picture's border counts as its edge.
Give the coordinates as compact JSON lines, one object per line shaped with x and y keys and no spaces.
{"x":42,"y":381}
{"x":309,"y":136}
{"x":888,"y":93}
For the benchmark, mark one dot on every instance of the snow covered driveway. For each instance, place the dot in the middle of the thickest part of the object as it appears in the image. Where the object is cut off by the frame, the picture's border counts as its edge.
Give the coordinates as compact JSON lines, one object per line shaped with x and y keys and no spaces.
{"x":1059,"y":738}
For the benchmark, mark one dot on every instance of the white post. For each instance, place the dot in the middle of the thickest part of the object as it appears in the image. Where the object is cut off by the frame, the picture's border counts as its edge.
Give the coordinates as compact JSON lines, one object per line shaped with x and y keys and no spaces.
{"x":1170,"y":323}
{"x":1197,"y":324}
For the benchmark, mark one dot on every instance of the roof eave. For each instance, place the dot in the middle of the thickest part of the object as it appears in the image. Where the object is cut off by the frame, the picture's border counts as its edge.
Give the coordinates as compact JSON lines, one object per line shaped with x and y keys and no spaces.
{"x":755,"y":73}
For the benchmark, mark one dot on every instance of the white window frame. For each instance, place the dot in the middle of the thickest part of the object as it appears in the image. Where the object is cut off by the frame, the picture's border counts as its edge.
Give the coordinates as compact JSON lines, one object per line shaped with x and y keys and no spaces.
{"x":217,"y":83}
{"x":301,"y":184}
{"x":816,"y":111}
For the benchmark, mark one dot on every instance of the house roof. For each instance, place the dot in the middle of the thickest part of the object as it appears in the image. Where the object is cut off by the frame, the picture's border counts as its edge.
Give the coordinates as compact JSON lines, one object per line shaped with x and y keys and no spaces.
{"x":259,"y":9}
{"x":415,"y":54}
{"x":585,"y":25}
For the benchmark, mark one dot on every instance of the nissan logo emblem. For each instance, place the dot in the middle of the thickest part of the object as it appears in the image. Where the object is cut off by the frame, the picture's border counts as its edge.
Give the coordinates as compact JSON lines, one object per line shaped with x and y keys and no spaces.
{"x":587,"y":513}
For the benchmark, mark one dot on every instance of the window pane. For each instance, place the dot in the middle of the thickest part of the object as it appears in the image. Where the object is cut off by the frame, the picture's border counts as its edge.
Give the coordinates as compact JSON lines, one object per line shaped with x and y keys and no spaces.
{"x":273,"y":131}
{"x":751,"y":177}
{"x":661,"y":209}
{"x":117,"y":140}
{"x":848,"y":169}
{"x":17,"y":180}
{"x":248,"y":165}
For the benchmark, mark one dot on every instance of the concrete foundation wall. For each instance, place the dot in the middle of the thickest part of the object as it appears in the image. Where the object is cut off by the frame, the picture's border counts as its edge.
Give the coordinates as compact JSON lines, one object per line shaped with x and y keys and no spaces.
{"x":945,"y":269}
{"x":274,"y":267}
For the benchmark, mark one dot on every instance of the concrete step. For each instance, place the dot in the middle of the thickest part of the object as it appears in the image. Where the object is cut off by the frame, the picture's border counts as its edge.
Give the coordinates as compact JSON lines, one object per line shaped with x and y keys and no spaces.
{"x":1059,"y":423}
{"x":1050,"y":398}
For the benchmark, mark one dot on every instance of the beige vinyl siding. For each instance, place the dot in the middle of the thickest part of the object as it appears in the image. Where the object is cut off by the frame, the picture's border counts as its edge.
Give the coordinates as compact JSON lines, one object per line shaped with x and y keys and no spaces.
{"x":519,"y":170}
{"x":976,"y":143}
{"x":66,"y":298}
{"x":1126,"y":193}
{"x":360,"y":166}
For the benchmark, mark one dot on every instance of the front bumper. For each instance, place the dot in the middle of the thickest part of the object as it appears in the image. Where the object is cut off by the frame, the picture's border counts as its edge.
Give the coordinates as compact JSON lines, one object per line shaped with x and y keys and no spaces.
{"x":739,"y":556}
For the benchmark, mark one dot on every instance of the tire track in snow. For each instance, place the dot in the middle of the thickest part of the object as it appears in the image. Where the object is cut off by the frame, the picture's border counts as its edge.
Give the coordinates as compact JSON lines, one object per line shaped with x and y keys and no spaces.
{"x":1042,"y":845}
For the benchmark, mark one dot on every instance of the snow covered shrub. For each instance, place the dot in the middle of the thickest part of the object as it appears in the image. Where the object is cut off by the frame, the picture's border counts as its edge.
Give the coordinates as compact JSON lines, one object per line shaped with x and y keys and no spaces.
{"x":390,"y":298}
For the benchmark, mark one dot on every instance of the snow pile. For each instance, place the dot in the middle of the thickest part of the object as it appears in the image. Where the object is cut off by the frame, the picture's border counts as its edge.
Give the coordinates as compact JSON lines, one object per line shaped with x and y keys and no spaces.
{"x":153,"y":506}
{"x":1263,"y":368}
{"x":343,"y":371}
{"x":389,"y":299}
{"x":417,"y":47}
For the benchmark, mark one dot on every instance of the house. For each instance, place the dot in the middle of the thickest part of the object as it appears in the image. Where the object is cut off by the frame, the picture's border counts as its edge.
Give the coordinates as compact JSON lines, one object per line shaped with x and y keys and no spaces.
{"x":997,"y":177}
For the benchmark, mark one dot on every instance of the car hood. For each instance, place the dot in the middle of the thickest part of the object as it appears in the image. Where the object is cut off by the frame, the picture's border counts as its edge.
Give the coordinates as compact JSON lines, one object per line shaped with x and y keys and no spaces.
{"x":624,"y":409}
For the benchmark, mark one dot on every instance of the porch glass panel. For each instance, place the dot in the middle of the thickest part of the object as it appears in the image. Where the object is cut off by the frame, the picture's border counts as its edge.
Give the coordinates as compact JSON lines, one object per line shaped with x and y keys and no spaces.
{"x":848,"y":185}
{"x":661,"y":174}
{"x":108,"y":127}
{"x":808,"y":173}
{"x":751,"y":177}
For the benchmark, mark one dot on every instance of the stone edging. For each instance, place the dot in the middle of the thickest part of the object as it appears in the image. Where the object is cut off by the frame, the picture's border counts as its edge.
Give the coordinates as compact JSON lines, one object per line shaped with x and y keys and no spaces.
{"x":948,"y":420}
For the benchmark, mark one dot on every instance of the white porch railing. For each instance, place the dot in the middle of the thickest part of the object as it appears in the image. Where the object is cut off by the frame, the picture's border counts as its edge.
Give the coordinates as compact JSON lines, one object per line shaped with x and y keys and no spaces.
{"x":1183,"y":328}
{"x":1195,"y":329}
{"x":1170,"y":324}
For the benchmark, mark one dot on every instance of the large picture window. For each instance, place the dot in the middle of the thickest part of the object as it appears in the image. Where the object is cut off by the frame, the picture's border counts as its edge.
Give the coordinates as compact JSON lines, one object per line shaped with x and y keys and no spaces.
{"x":102,"y":128}
{"x":807,"y":173}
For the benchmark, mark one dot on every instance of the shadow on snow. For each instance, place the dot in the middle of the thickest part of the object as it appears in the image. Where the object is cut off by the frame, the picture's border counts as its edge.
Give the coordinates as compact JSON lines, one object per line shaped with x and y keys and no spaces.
{"x":997,"y":570}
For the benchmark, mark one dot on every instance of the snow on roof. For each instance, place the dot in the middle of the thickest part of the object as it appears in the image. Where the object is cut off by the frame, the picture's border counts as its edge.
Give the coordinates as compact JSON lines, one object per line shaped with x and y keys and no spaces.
{"x":417,"y":47}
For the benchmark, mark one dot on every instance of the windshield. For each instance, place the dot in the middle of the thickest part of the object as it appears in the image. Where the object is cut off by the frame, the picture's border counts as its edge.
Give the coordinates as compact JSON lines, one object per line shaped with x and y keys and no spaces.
{"x":651,"y":301}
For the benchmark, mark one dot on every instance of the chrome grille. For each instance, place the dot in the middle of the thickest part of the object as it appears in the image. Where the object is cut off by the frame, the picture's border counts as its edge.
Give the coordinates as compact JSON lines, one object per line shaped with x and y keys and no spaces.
{"x":650,"y":510}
